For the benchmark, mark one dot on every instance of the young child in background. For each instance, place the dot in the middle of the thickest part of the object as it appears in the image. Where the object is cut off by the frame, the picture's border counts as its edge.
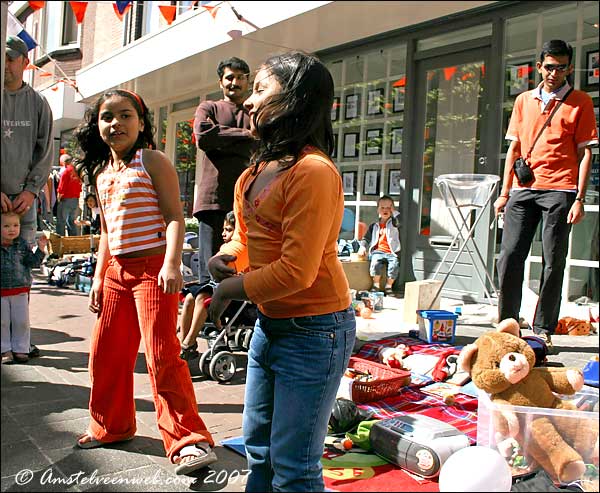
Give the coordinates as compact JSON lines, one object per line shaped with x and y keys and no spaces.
{"x":382,"y":242}
{"x":17,"y":260}
{"x":195,"y":306}
{"x":136,"y":283}
{"x":90,"y":220}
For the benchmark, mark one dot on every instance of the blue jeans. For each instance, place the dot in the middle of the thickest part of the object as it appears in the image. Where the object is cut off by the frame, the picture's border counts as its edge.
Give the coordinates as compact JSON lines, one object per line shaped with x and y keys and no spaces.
{"x":294,"y":370}
{"x":378,"y":261}
{"x":66,"y":214}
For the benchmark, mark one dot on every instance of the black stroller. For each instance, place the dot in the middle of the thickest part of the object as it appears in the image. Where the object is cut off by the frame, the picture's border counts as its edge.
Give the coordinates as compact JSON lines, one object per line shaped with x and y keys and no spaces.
{"x":218,"y":362}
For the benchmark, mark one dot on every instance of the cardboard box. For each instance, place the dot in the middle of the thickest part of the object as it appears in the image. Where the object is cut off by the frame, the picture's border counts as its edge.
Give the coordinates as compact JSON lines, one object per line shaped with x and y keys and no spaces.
{"x":419,"y":295}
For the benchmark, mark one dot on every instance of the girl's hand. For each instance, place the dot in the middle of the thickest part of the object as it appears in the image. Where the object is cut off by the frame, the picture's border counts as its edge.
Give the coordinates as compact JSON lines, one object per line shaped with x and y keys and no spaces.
{"x":95,"y":301}
{"x":170,"y":279}
{"x":219,"y":268}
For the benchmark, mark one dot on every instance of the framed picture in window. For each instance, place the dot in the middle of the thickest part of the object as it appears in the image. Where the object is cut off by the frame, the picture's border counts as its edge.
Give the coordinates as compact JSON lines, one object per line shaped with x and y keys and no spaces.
{"x":335,"y":109}
{"x":374,"y":141}
{"x":397,"y":99}
{"x":520,"y":78}
{"x":351,"y":106}
{"x":351,"y":143}
{"x":396,"y":140}
{"x":375,"y":102}
{"x":592,"y":69}
{"x":349,"y":182}
{"x":371,"y":184}
{"x":395,"y":182}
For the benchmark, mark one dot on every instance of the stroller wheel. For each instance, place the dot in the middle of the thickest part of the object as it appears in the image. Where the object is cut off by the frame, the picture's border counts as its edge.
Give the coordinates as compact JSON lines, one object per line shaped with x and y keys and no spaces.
{"x":204,"y":363}
{"x":222,"y":367}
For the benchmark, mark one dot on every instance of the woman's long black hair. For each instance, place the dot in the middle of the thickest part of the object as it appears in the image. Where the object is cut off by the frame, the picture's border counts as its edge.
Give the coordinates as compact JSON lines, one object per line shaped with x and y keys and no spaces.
{"x":96,"y":153}
{"x":299,"y":115}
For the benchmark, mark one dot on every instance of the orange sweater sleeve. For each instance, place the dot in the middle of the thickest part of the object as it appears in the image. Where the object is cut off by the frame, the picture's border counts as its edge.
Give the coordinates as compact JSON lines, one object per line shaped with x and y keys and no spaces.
{"x":311,"y":217}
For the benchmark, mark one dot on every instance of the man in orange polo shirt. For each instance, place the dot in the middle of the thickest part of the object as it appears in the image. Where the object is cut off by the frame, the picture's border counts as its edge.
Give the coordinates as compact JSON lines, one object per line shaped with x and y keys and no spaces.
{"x":560,"y":161}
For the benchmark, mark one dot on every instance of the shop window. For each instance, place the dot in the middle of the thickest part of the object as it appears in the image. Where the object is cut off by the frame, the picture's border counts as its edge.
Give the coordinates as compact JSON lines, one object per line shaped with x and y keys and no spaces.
{"x":161,"y":135}
{"x":584,"y":244}
{"x":590,"y":20}
{"x":355,"y":70}
{"x":185,"y":163}
{"x":336,"y":72}
{"x":521,"y":33}
{"x":560,"y":23}
{"x":188,"y":103}
{"x":398,"y":60}
{"x":454,"y":37}
{"x":583,"y":281}
{"x":376,"y":65}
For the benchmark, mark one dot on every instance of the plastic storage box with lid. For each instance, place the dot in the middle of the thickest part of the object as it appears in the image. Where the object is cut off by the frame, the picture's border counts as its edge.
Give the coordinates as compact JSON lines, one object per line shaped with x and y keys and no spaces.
{"x":437,"y":325}
{"x":515,"y":450}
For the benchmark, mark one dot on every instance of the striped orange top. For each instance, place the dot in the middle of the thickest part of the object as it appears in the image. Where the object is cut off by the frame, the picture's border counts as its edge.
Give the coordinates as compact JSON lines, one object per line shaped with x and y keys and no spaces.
{"x":130,"y":206}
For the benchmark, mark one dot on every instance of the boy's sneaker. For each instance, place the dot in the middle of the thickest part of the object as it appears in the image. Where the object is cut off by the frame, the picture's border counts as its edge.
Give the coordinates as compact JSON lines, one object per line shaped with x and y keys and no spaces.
{"x":34,"y":351}
{"x":7,"y":357}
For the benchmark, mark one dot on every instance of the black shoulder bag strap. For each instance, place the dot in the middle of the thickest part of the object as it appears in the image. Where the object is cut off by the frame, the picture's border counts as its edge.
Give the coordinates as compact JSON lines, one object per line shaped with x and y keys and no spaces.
{"x":547,"y":122}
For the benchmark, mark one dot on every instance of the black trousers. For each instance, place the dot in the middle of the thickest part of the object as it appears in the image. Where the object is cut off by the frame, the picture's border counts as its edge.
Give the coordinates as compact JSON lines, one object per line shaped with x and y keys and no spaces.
{"x":210,"y":239}
{"x":523,"y":212}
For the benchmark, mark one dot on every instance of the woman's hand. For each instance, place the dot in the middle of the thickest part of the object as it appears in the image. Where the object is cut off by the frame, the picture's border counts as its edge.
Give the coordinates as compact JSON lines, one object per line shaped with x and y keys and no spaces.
{"x":95,"y":298}
{"x":218,"y":305}
{"x":219,"y":267}
{"x":170,"y":279}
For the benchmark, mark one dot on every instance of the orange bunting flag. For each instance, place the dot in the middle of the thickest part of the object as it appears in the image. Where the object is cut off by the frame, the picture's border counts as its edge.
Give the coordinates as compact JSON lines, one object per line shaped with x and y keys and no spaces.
{"x":212,"y":10}
{"x":400,"y":82}
{"x":36,"y":5}
{"x":168,"y":12}
{"x":449,"y":72}
{"x":79,"y":10}
{"x":119,"y":14}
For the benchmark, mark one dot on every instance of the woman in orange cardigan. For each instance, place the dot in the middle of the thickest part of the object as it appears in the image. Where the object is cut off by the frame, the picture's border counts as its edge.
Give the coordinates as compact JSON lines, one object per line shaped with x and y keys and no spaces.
{"x":289,"y":206}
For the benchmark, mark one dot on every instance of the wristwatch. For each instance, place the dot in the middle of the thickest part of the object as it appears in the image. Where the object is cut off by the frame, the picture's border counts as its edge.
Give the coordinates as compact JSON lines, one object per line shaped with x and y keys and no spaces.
{"x":580,"y":199}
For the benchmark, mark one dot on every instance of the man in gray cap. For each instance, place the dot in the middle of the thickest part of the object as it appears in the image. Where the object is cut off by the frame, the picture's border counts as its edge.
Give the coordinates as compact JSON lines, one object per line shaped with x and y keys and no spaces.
{"x":27,"y":146}
{"x":27,"y":143}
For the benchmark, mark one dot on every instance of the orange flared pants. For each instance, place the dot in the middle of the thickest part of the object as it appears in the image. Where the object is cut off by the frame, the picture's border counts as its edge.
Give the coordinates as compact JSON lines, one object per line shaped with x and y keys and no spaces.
{"x":133,"y":306}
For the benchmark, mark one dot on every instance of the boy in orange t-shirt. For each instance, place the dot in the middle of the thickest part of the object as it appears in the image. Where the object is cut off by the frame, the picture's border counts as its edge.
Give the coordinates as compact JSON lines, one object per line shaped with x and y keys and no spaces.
{"x":382,"y":242}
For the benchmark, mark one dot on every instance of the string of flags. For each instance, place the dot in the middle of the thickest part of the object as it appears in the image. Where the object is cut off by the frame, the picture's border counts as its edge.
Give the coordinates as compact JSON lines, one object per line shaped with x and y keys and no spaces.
{"x":169,"y":12}
{"x":121,"y":8}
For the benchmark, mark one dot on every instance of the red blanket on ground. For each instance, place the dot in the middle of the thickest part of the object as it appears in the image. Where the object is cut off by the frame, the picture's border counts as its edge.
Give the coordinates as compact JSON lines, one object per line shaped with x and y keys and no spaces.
{"x":462,"y":414}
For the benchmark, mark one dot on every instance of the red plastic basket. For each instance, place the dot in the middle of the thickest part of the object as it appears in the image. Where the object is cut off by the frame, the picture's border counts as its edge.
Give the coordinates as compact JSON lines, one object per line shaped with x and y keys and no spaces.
{"x":388,"y":381}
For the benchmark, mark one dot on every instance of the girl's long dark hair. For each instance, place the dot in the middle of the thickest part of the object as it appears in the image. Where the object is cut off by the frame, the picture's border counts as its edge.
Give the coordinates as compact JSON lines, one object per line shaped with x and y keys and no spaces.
{"x":95,"y":152}
{"x":299,"y":115}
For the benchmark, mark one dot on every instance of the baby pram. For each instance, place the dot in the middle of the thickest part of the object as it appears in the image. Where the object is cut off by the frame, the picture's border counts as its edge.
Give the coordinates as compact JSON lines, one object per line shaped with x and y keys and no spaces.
{"x":218,"y":361}
{"x":237,"y":325}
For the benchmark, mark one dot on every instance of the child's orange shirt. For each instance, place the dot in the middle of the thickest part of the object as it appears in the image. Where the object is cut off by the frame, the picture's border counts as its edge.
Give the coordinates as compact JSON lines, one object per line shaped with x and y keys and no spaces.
{"x":288,"y":236}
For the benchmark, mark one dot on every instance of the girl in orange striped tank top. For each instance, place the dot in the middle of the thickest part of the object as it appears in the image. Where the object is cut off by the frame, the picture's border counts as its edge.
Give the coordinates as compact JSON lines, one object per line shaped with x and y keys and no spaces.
{"x":136,"y":282}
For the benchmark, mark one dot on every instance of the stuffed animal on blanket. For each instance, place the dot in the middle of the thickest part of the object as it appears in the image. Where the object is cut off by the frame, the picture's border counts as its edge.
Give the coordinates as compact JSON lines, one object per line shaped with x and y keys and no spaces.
{"x":502,"y":364}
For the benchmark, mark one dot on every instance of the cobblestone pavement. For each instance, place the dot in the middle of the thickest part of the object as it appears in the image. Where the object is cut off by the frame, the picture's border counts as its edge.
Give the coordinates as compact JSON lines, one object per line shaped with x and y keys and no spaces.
{"x":44,"y":407}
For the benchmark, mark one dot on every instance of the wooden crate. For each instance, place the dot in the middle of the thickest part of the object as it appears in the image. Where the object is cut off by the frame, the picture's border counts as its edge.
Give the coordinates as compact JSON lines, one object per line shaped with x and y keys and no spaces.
{"x":61,"y":245}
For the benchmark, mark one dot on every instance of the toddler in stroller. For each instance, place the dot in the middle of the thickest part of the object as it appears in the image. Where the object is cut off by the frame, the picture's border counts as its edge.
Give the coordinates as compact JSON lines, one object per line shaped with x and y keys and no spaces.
{"x":234,"y":333}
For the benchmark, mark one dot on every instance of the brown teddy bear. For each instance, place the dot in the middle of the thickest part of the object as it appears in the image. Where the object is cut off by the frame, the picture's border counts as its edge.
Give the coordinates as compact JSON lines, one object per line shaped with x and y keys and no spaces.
{"x":502,"y":364}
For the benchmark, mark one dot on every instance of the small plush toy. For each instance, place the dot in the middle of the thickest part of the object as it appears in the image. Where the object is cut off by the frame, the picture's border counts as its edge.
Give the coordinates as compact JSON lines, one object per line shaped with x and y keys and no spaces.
{"x":502,"y":364}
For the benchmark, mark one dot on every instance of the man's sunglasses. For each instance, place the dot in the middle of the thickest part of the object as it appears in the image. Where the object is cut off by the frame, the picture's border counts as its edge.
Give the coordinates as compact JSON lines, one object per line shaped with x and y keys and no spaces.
{"x":549,"y":67}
